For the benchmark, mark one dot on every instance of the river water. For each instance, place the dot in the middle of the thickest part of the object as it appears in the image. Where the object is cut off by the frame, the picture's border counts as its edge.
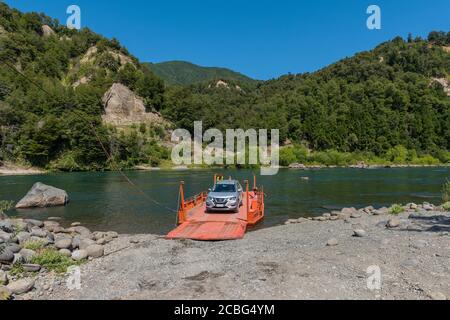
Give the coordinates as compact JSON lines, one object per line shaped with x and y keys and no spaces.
{"x":105,"y":201}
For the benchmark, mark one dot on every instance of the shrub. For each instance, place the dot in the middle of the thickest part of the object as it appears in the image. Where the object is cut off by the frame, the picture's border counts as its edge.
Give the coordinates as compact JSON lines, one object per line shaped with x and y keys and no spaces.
{"x":53,"y":260}
{"x":5,"y":206}
{"x":396,"y":209}
{"x":34,"y":245}
{"x":446,"y":191}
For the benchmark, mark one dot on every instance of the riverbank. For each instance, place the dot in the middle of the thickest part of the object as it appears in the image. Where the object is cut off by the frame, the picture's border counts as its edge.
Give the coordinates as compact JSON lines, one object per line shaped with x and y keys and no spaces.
{"x":324,"y":258}
{"x":16,"y":170}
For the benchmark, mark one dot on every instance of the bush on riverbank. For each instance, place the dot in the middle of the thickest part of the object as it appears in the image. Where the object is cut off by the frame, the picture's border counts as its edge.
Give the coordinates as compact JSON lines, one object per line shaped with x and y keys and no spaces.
{"x":394,"y":156}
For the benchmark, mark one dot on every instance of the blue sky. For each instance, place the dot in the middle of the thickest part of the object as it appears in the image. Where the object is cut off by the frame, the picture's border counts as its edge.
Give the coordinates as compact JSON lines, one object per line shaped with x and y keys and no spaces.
{"x":263,"y":39}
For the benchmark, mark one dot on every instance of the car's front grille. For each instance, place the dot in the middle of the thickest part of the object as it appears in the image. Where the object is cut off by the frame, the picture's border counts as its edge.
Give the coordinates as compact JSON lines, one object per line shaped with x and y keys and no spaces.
{"x":220,"y":200}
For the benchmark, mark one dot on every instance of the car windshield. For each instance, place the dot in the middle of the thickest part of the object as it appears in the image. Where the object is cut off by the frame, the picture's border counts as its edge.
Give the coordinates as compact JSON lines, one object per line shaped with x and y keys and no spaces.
{"x":225,"y":188}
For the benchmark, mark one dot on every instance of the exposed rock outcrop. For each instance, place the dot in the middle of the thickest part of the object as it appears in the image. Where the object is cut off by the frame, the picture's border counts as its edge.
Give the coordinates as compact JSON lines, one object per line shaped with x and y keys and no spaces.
{"x":47,"y":31}
{"x":91,"y":53}
{"x":444,"y":83}
{"x":123,"y":107}
{"x":42,"y":196}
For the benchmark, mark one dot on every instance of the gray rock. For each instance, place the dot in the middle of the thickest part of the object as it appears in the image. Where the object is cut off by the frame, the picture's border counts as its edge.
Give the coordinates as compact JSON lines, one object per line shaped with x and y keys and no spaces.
{"x":112,"y":234}
{"x":428,"y":207}
{"x":3,"y":278}
{"x":393,"y":223}
{"x":6,"y":256}
{"x":18,"y":258}
{"x":5,"y":236}
{"x":359,"y":233}
{"x":381,"y":211}
{"x":35,"y":223}
{"x":31,"y":267}
{"x":95,"y":251}
{"x":348,"y":210}
{"x":79,"y":255}
{"x":76,"y":224}
{"x":63,"y":243}
{"x":104,"y":241}
{"x":27,"y":254}
{"x":356,"y":215}
{"x":23,"y":236}
{"x":413,"y":206}
{"x":13,"y":247}
{"x":42,"y":196}
{"x":6,"y":226}
{"x":82,"y":231}
{"x":51,"y":225}
{"x":65,"y":252}
{"x":332,"y":242}
{"x":21,"y":286}
{"x":37,"y":232}
{"x":97,"y":235}
{"x":84,"y":243}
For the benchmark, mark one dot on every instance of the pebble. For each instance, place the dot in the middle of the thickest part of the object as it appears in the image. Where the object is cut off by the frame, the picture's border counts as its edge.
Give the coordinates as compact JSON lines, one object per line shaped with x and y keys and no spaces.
{"x":76,"y":224}
{"x":31,"y":267}
{"x":332,"y":242}
{"x":419,"y":244}
{"x":393,"y":223}
{"x":437,"y":296}
{"x":359,"y":233}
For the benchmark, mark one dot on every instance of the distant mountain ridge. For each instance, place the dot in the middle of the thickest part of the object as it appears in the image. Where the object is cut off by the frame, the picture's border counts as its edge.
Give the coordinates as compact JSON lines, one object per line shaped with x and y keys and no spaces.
{"x":186,"y":73}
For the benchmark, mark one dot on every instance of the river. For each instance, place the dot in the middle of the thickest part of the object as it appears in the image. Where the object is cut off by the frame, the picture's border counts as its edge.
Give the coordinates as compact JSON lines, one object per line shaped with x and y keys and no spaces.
{"x":105,"y":201}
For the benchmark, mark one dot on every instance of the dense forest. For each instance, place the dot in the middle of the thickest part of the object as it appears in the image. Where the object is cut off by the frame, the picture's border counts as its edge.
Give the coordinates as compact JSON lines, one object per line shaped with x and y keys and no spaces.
{"x":385,"y":105}
{"x":185,"y":73}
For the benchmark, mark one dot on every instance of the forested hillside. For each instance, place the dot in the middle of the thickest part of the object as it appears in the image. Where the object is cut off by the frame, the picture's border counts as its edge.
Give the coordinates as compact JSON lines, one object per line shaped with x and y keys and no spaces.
{"x":389,"y":104}
{"x":378,"y":103}
{"x":186,"y":73}
{"x":47,"y":115}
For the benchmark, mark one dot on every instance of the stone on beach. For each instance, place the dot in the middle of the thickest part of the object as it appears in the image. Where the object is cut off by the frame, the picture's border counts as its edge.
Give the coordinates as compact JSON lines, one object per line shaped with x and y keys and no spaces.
{"x":360,"y":233}
{"x":21,"y":286}
{"x":63,"y":243}
{"x":41,"y":196}
{"x":95,"y":251}
{"x":79,"y":255}
{"x":393,"y":223}
{"x":332,"y":242}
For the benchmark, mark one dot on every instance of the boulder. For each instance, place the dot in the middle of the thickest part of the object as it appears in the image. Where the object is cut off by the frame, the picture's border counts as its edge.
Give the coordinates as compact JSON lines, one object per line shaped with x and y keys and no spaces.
{"x":79,"y":255}
{"x":13,"y":247}
{"x":6,"y":255}
{"x":21,"y":286}
{"x":84,"y":243}
{"x":348,"y":211}
{"x":42,"y":196}
{"x":27,"y":254}
{"x":47,"y":31}
{"x":23,"y":236}
{"x":37,"y":232}
{"x":65,"y":252}
{"x":95,"y":251}
{"x":63,"y":243}
{"x":5,"y":236}
{"x":123,"y":107}
{"x":35,"y":223}
{"x":6,"y":226}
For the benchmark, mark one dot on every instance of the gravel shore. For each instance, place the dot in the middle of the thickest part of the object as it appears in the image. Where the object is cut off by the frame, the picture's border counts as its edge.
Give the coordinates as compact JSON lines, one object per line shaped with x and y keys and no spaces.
{"x":303,"y":260}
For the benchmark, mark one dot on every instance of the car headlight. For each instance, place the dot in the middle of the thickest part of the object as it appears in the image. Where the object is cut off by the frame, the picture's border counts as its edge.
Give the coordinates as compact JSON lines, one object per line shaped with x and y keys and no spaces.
{"x":209,"y":199}
{"x":233,"y":199}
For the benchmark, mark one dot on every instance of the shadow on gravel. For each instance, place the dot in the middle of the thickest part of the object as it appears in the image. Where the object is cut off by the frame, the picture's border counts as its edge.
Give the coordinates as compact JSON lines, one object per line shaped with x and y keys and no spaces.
{"x":436,"y":223}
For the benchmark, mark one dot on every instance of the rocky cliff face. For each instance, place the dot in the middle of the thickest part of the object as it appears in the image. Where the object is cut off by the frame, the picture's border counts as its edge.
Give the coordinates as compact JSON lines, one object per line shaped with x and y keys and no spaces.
{"x":444,"y":83}
{"x":123,"y":107}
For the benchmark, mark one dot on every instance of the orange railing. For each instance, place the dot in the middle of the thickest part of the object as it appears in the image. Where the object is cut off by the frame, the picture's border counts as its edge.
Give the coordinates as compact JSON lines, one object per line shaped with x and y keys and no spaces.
{"x":254,"y":202}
